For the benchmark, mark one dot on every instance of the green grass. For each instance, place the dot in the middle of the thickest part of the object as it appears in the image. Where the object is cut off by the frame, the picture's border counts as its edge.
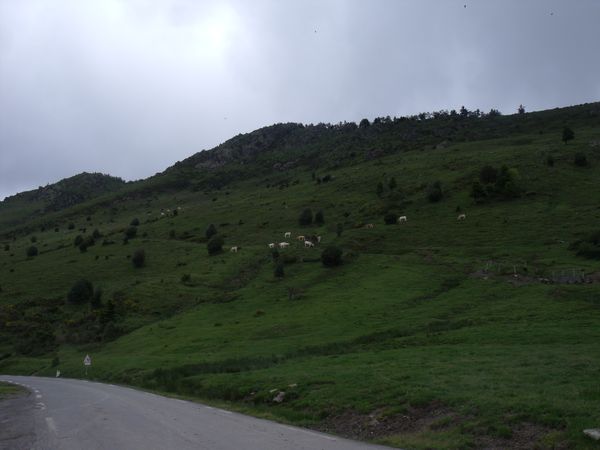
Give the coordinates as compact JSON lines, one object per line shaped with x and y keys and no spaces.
{"x":9,"y":389}
{"x":407,"y":322}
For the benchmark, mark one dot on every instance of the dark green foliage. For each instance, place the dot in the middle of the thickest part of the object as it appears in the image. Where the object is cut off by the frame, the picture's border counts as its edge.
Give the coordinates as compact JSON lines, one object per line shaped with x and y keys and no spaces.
{"x":580,"y":160}
{"x":478,"y":192}
{"x":567,"y":135}
{"x":392,"y":184}
{"x":588,"y":247}
{"x":274,"y":254}
{"x":55,"y":361}
{"x":319,"y":218}
{"x":390,"y":218}
{"x":279,"y":273}
{"x":339,"y":229}
{"x":306,"y":217}
{"x":81,"y":292}
{"x":550,"y":161}
{"x":211,"y":231}
{"x":488,"y":174}
{"x":434,"y":192}
{"x":171,"y":234}
{"x":379,"y":190}
{"x":96,"y":300}
{"x":6,"y":247}
{"x":139,"y":258}
{"x":32,"y":251}
{"x":96,"y":234}
{"x":521,"y":109}
{"x":215,"y":244}
{"x":331,"y":256}
{"x":108,"y":313}
{"x":78,"y":240}
{"x":130,"y":232}
{"x":71,"y":226}
{"x":33,"y":239}
{"x":186,"y":278}
{"x":364,"y":123}
{"x":110,"y":332}
{"x":135,"y":222}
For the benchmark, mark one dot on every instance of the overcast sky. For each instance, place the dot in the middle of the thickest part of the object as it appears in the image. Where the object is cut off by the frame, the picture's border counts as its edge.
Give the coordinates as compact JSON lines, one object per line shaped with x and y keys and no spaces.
{"x":130,"y":87}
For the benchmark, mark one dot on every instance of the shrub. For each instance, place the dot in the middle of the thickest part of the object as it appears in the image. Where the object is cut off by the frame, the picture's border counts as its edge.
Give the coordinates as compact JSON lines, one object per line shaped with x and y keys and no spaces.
{"x":488,"y":174}
{"x":139,"y":258}
{"x":32,"y":251}
{"x":81,"y":292}
{"x":331,"y":256}
{"x":71,"y":226}
{"x":135,"y":222}
{"x":130,"y":232}
{"x":567,"y":135}
{"x":96,"y":234}
{"x":434,"y":192}
{"x":211,"y":231}
{"x":215,"y":244}
{"x":478,"y":192}
{"x":390,"y":218}
{"x":392,"y":184}
{"x":580,"y":160}
{"x":78,"y":240}
{"x":279,"y":273}
{"x":33,"y":239}
{"x":96,"y":300}
{"x":550,"y":161}
{"x":319,"y":218}
{"x":306,"y":217}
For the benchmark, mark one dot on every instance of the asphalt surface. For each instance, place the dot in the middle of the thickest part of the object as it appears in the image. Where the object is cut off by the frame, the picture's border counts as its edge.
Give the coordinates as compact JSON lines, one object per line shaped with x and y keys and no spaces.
{"x":76,"y":414}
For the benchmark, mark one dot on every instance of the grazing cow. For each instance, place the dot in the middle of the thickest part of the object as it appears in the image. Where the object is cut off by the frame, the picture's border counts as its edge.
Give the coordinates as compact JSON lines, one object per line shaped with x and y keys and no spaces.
{"x":461,"y":217}
{"x":162,"y":214}
{"x":287,"y":234}
{"x":369,"y":225}
{"x":234,"y":249}
{"x":272,"y":245}
{"x":402,"y":219}
{"x":300,"y":238}
{"x":284,"y":244}
{"x":308,"y":244}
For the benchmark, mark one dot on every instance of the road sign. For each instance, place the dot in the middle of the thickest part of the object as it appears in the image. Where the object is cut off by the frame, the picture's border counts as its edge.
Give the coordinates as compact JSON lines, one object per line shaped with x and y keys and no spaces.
{"x":87,"y":361}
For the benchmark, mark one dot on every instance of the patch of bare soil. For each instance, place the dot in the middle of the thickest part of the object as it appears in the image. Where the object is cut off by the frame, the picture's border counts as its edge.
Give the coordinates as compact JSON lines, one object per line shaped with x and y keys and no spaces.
{"x":377,"y":424}
{"x":525,"y":436}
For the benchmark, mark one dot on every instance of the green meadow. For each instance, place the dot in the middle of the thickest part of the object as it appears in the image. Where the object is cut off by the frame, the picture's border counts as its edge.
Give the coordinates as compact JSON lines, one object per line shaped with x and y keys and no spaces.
{"x":433,"y":333}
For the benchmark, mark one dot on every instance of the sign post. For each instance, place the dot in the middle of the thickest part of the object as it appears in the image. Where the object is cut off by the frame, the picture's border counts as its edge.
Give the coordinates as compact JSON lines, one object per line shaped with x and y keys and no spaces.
{"x":87,"y":361}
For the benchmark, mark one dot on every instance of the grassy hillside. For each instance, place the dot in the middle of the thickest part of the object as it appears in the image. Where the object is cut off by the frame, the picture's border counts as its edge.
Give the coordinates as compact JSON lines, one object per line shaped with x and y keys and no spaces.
{"x":432,"y":333}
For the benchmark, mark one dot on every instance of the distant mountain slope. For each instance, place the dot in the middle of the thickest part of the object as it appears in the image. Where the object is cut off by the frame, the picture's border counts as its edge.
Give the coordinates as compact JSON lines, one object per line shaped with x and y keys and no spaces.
{"x":55,"y":197}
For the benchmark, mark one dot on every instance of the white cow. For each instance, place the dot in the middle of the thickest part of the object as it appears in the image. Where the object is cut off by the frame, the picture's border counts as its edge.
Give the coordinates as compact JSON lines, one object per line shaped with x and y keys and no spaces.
{"x":287,"y":234}
{"x":461,"y":217}
{"x":308,"y":244}
{"x":402,"y":219}
{"x":272,"y":245}
{"x":284,"y":244}
{"x":233,"y":249}
{"x":369,"y":225}
{"x":318,"y":239}
{"x":301,"y":238}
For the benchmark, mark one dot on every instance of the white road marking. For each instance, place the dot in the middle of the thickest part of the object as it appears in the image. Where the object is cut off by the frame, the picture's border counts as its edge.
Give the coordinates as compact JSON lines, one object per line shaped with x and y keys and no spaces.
{"x":40,"y":406}
{"x":38,"y":396}
{"x":51,"y":424}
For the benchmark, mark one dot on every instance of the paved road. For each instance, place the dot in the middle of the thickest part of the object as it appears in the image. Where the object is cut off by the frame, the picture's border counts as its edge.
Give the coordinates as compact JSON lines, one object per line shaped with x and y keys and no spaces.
{"x":76,"y":414}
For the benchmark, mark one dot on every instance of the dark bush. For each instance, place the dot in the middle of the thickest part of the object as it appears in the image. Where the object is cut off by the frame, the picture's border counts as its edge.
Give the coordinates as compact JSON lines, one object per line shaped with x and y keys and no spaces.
{"x":71,"y":226}
{"x":139,"y":258}
{"x":478,"y":192}
{"x":130,"y":232}
{"x":319,"y":218}
{"x":392,"y":184}
{"x":279,"y":273}
{"x":32,"y":251}
{"x":588,"y":247}
{"x":171,"y":234}
{"x":186,"y":278}
{"x":390,"y":218}
{"x":81,"y":292}
{"x":96,"y":300}
{"x":580,"y":159}
{"x":331,"y":256}
{"x":567,"y":135}
{"x":215,"y":244}
{"x":33,"y":239}
{"x":488,"y":174}
{"x":550,"y":161}
{"x":306,"y":217}
{"x":78,"y":240}
{"x":135,"y":222}
{"x":434,"y":192}
{"x":211,"y":231}
{"x":96,"y":234}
